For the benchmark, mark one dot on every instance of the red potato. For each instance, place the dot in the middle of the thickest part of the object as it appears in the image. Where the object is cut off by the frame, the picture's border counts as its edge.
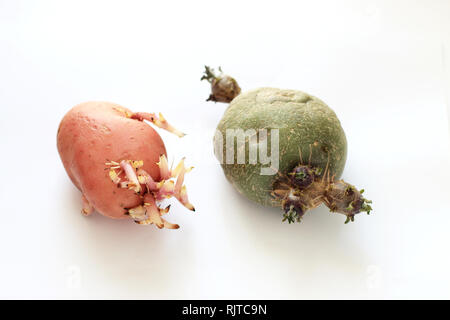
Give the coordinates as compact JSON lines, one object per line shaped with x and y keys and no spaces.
{"x":119,"y":162}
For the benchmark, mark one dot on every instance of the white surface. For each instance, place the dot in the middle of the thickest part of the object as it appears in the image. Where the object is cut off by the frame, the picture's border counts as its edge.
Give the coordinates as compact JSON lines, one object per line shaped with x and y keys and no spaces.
{"x":378,"y":64}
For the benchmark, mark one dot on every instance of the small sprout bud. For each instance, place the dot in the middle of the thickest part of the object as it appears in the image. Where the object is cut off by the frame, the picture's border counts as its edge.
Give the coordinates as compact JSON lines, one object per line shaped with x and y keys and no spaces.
{"x":223,"y":87}
{"x":349,"y":218}
{"x":293,"y":210}
{"x":346,"y":199}
{"x":366,"y":206}
{"x":349,"y":191}
{"x":318,"y":171}
{"x":302,"y":176}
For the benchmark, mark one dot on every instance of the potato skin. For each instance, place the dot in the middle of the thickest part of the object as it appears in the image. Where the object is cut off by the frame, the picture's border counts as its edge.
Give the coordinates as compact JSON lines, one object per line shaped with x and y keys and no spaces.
{"x":91,"y":134}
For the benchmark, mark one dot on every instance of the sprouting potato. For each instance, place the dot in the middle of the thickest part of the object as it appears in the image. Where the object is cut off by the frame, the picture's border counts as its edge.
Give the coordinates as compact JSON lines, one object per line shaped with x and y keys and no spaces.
{"x":119,"y":162}
{"x":312,"y":149}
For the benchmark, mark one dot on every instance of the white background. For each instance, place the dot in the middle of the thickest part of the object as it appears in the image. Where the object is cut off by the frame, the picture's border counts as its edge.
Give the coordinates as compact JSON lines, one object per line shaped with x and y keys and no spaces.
{"x":381,"y":65}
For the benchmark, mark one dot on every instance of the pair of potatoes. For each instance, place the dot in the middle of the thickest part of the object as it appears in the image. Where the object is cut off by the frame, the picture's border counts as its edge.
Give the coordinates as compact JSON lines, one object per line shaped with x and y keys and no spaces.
{"x":119,"y":162}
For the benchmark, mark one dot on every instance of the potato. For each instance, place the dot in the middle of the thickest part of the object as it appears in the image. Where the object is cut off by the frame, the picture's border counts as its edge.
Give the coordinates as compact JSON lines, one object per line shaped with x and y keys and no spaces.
{"x":308,"y":149}
{"x":119,"y":163}
{"x":311,"y":155}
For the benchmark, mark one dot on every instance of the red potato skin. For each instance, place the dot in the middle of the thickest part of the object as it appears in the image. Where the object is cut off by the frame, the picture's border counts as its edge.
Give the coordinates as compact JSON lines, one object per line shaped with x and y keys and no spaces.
{"x":93,"y":133}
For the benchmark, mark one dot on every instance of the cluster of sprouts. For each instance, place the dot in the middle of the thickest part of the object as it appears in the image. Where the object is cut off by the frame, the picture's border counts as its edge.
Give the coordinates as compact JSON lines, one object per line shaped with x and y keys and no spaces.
{"x":305,"y":187}
{"x":129,"y":174}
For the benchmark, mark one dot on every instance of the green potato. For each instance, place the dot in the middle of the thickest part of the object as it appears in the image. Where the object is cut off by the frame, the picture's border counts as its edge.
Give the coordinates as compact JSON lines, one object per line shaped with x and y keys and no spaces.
{"x":309,"y":133}
{"x":283,"y":148}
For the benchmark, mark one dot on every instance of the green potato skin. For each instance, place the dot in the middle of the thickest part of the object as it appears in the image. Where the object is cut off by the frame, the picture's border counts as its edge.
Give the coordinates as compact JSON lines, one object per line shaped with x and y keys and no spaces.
{"x":305,"y":123}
